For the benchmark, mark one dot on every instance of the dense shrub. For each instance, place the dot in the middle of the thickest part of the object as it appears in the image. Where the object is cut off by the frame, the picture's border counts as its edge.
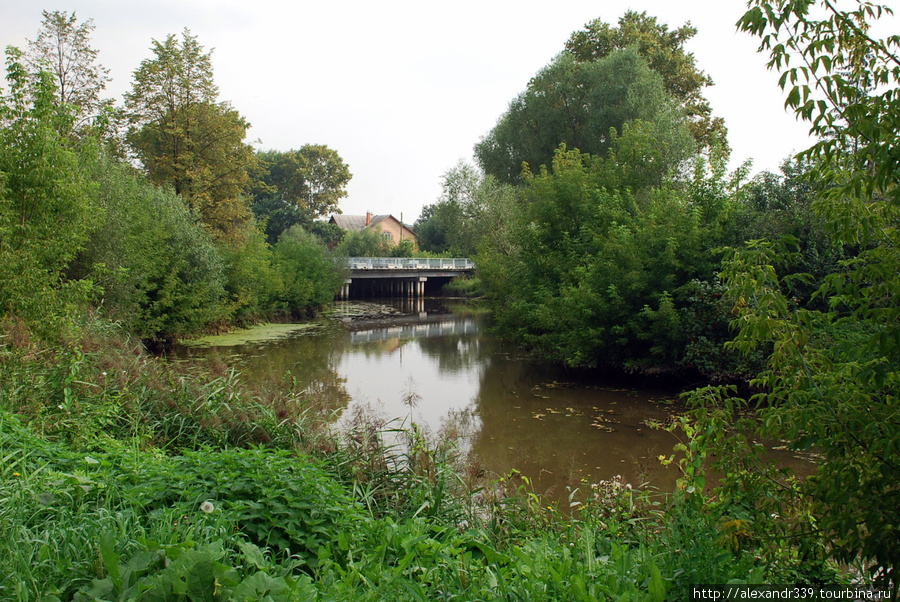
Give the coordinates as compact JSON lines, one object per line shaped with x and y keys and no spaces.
{"x":310,"y":274}
{"x":160,"y":273}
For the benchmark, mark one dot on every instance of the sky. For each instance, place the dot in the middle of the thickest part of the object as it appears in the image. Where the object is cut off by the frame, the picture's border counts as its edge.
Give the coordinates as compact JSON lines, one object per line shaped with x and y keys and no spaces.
{"x":403,"y":90}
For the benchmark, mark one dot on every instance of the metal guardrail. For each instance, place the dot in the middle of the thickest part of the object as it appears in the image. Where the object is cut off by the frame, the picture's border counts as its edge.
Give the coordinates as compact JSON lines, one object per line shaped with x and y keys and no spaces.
{"x":410,"y":263}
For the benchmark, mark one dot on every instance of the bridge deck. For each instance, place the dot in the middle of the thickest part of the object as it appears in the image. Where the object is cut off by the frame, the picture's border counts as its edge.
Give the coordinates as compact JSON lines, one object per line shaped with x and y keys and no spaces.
{"x":410,"y":263}
{"x":402,"y":276}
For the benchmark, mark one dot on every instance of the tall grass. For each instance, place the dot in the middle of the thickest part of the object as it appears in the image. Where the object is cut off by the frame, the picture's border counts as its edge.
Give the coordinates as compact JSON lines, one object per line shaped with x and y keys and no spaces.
{"x":124,"y":477}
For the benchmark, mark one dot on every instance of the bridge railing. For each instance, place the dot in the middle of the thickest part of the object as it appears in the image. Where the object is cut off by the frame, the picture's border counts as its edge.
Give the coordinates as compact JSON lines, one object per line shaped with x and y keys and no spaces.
{"x":410,"y":263}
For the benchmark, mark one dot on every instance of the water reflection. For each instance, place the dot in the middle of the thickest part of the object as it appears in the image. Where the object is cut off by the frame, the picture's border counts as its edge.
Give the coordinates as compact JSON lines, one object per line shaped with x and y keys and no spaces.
{"x":513,"y":413}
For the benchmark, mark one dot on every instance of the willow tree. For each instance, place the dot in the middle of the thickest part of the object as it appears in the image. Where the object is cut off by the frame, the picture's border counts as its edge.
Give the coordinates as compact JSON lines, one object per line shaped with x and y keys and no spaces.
{"x":585,"y":106}
{"x":664,"y":51}
{"x":186,"y":137}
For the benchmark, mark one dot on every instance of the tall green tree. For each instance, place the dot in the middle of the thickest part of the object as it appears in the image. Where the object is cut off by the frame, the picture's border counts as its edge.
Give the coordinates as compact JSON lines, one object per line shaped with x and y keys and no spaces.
{"x":298,"y":186}
{"x":46,"y":208}
{"x":471,"y":210}
{"x":310,"y":273}
{"x":185,"y":137}
{"x":832,"y":382}
{"x":63,"y":48}
{"x":585,"y":105}
{"x":592,"y":269}
{"x":664,"y":51}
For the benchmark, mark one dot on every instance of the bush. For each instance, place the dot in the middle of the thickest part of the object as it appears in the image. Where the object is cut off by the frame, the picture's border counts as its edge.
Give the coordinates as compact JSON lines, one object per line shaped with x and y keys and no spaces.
{"x":161,"y":275}
{"x":311,"y":275}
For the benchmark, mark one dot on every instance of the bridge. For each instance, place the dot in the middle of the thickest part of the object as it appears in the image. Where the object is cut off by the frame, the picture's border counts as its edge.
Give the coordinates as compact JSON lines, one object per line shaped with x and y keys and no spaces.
{"x":401,"y":276}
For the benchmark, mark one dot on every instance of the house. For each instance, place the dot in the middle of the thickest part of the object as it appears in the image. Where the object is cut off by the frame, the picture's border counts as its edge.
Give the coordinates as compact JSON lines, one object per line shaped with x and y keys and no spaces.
{"x":392,"y":230}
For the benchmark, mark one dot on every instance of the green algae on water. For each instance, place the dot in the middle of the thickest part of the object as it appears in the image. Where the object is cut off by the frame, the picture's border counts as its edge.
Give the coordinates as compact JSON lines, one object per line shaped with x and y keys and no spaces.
{"x":262,"y":333}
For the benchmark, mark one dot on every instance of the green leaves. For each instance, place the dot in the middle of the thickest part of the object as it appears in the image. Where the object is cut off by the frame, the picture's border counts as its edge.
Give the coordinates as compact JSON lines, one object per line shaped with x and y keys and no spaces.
{"x":188,"y":139}
{"x":313,"y":179}
{"x":46,"y":206}
{"x":577,"y":105}
{"x":602,"y":255}
{"x":830,"y":382}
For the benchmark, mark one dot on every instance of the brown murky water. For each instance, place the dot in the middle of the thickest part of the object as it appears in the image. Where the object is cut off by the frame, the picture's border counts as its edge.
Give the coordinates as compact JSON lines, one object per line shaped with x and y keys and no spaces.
{"x":442,"y":370}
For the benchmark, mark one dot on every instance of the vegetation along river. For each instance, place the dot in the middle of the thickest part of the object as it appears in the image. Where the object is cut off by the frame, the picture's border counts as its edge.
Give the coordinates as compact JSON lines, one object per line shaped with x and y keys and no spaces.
{"x":436,"y":365}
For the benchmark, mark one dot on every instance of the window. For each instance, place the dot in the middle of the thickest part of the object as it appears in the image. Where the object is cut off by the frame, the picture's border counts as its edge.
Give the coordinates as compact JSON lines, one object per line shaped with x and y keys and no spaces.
{"x":387,"y":236}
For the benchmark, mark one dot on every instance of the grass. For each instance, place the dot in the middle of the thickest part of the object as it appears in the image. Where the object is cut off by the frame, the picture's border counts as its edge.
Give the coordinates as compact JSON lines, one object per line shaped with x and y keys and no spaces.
{"x":123,"y":477}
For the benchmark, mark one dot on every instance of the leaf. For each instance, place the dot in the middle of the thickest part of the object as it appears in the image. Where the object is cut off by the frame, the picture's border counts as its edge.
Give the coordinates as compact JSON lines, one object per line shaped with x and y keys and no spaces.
{"x":110,"y":558}
{"x":657,"y":584}
{"x":253,"y":555}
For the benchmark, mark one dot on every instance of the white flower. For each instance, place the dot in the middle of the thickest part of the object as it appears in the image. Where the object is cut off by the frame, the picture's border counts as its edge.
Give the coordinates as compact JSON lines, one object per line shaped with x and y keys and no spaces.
{"x":207,"y":507}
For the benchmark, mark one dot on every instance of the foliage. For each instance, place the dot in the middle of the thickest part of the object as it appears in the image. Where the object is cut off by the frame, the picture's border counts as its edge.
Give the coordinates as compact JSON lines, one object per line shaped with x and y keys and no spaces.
{"x":328,"y":233}
{"x":456,"y":223}
{"x":63,"y":49}
{"x":579,"y":104}
{"x":46,"y":208}
{"x":277,"y":499}
{"x":313,"y":179}
{"x":665,"y":54}
{"x":364,"y":243}
{"x":185,"y":138}
{"x":160,"y":274}
{"x":252,"y":282}
{"x":597,"y":267}
{"x":311,"y":275}
{"x":101,"y":498}
{"x":831,"y":380}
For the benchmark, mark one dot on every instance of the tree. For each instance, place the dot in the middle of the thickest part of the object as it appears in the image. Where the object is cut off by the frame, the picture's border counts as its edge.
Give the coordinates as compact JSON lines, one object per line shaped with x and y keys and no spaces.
{"x":665,"y":54}
{"x":832,"y":381}
{"x":63,"y":48}
{"x":449,"y":225}
{"x":364,"y":243}
{"x":298,"y":186}
{"x":313,"y":178}
{"x":160,"y":274}
{"x":470,"y":211}
{"x":312,"y":276}
{"x":186,"y":138}
{"x":594,"y":262}
{"x":585,"y":106}
{"x":46,"y":208}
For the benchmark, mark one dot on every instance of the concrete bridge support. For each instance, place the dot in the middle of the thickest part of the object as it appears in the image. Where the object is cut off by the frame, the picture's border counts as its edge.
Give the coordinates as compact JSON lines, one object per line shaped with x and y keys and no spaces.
{"x":412,"y":288}
{"x":345,"y":290}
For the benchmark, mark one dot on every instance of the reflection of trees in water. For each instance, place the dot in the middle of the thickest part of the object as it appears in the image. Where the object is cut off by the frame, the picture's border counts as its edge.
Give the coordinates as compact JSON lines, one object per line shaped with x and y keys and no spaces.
{"x":305,"y":365}
{"x":559,"y":433}
{"x":454,"y":354}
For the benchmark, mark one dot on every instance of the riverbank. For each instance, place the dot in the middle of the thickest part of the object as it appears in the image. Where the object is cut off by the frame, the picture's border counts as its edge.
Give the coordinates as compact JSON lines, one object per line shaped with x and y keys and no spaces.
{"x":438,"y":365}
{"x":123,"y":474}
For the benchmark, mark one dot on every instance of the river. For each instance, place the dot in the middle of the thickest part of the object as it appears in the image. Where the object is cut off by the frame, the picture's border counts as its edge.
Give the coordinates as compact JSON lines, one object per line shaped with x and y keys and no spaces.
{"x":436,"y":365}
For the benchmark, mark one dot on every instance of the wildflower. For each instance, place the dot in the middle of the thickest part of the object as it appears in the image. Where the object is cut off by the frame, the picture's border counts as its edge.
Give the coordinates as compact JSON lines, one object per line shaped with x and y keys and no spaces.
{"x":207,"y":507}
{"x":15,"y":474}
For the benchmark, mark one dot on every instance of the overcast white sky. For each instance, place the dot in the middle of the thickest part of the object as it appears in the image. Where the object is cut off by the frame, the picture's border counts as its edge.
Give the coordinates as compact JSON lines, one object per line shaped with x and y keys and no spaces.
{"x":405,"y":89}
